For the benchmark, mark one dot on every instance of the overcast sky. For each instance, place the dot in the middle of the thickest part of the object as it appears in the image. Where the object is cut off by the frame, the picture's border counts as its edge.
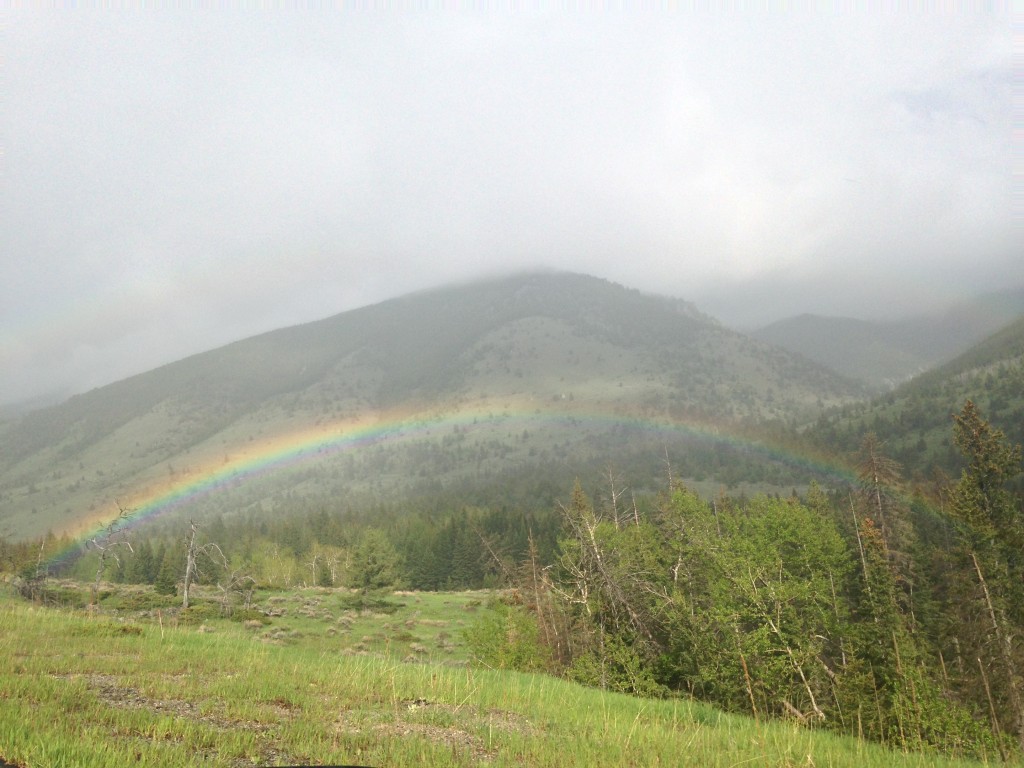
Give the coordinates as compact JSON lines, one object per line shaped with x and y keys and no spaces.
{"x":173,"y":181}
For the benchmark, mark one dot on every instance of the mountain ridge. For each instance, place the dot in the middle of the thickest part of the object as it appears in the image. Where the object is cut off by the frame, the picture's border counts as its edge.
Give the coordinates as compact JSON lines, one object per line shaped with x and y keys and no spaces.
{"x":915,"y":419}
{"x":547,"y":340}
{"x":885,"y":353}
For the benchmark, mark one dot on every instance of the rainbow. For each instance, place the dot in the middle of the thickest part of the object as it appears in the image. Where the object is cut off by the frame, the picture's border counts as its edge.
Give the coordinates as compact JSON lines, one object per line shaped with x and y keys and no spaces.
{"x":297,"y":446}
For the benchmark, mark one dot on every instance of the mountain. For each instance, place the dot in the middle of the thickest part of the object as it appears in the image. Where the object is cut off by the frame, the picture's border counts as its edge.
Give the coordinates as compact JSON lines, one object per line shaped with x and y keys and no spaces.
{"x":885,"y":354}
{"x":915,"y":420}
{"x":504,"y":382}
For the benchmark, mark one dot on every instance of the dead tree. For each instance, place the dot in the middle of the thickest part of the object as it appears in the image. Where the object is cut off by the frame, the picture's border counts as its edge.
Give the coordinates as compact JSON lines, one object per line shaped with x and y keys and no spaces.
{"x":106,"y":544}
{"x":192,"y":552}
{"x":614,"y":494}
{"x":237,"y":582}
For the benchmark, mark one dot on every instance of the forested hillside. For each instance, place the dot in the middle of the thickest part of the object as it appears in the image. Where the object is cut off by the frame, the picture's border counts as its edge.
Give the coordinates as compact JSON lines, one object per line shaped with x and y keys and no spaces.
{"x":914,"y":420}
{"x":459,"y":390}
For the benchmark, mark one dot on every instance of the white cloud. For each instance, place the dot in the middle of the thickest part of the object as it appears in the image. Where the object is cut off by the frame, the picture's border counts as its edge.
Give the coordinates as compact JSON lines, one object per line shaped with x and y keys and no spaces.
{"x":174,"y":180}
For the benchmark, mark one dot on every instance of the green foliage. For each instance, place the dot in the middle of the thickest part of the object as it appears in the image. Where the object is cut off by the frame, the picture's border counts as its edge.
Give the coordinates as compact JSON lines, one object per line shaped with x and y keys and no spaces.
{"x":614,"y":664}
{"x":375,"y":562}
{"x":199,"y":613}
{"x":324,"y":577}
{"x":761,"y":607}
{"x":141,"y":567}
{"x":360,"y":601}
{"x":134,"y":599}
{"x":64,"y":595}
{"x":507,"y":637}
{"x":981,"y":499}
{"x":992,"y":525}
{"x":170,"y":571}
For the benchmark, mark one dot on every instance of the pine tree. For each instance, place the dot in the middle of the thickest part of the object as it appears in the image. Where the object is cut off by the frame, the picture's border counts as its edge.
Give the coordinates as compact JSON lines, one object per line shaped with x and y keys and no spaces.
{"x":981,"y":500}
{"x":375,"y":562}
{"x":139,"y":568}
{"x":166,"y":581}
{"x":879,"y":477}
{"x":992,"y":528}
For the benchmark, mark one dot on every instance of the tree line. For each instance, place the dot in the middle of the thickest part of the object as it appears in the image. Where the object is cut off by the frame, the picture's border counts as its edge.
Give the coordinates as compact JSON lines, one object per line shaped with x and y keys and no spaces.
{"x":862,"y":610}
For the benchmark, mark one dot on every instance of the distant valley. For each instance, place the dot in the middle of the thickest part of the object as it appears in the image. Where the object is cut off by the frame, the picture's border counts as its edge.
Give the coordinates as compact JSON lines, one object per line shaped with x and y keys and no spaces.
{"x":884,"y":354}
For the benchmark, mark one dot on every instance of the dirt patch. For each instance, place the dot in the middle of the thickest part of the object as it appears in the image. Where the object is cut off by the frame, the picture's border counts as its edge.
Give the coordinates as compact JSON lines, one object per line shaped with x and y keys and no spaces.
{"x":110,"y":690}
{"x":453,"y":738}
{"x":512,"y":722}
{"x":437,"y":723}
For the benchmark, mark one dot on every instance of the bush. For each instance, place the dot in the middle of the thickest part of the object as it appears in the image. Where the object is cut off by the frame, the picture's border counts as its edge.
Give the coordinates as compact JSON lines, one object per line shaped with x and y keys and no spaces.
{"x":141,"y":600}
{"x":361,"y":602}
{"x":618,"y":669}
{"x":199,"y":613}
{"x":243,"y":615}
{"x":507,"y":637}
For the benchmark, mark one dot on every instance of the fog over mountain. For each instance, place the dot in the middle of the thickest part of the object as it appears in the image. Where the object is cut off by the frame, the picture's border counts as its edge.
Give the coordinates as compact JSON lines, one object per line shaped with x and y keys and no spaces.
{"x":176,"y":180}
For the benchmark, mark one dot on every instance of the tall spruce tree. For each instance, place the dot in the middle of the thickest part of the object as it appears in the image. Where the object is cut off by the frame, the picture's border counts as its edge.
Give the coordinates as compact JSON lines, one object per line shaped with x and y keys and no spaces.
{"x":992,"y":528}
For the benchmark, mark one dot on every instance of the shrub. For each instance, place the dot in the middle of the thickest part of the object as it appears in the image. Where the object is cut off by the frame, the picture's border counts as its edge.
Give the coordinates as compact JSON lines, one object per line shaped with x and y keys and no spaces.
{"x":198,"y":613}
{"x":141,"y":600}
{"x":243,"y":615}
{"x":507,"y":637}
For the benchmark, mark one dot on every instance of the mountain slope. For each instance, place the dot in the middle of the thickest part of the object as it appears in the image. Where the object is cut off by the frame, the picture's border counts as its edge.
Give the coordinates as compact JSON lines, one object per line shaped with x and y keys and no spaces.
{"x":544,"y":368}
{"x":915,"y":419}
{"x":885,"y":354}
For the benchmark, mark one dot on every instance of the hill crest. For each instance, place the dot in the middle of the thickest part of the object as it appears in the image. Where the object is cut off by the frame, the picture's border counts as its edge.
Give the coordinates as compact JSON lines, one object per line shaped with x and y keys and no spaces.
{"x":553,"y":344}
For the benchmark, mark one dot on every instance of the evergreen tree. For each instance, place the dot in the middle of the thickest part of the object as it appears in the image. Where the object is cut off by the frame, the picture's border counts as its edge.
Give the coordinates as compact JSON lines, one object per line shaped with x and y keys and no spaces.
{"x":375,"y":562}
{"x":139,"y":569}
{"x":324,"y":578}
{"x":879,"y":478}
{"x":981,"y":499}
{"x":992,"y":526}
{"x":166,"y":581}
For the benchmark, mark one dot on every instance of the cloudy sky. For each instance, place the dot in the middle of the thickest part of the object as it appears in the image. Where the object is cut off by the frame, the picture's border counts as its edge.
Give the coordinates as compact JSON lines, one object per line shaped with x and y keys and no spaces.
{"x":173,"y":181}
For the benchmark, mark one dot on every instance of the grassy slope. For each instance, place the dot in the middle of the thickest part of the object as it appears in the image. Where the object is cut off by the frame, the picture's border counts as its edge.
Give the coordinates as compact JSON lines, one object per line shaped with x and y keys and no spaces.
{"x":85,"y":690}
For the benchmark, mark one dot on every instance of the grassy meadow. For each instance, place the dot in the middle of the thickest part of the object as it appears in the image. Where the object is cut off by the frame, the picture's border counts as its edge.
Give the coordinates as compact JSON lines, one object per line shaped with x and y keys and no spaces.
{"x":318,"y":676}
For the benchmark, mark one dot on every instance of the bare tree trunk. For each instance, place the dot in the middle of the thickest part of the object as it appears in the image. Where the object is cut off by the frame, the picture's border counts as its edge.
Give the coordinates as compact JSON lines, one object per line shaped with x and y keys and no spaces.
{"x":1004,"y":643}
{"x":112,"y":538}
{"x":190,"y":562}
{"x":860,"y":547}
{"x":615,"y":494}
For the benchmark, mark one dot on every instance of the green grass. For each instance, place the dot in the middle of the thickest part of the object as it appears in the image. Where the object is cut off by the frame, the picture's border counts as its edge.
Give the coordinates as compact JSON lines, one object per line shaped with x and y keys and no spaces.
{"x":103,"y":689}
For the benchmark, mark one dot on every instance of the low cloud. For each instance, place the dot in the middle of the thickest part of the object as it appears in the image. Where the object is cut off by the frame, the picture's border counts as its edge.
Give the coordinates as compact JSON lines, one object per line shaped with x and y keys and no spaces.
{"x":174,"y":181}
